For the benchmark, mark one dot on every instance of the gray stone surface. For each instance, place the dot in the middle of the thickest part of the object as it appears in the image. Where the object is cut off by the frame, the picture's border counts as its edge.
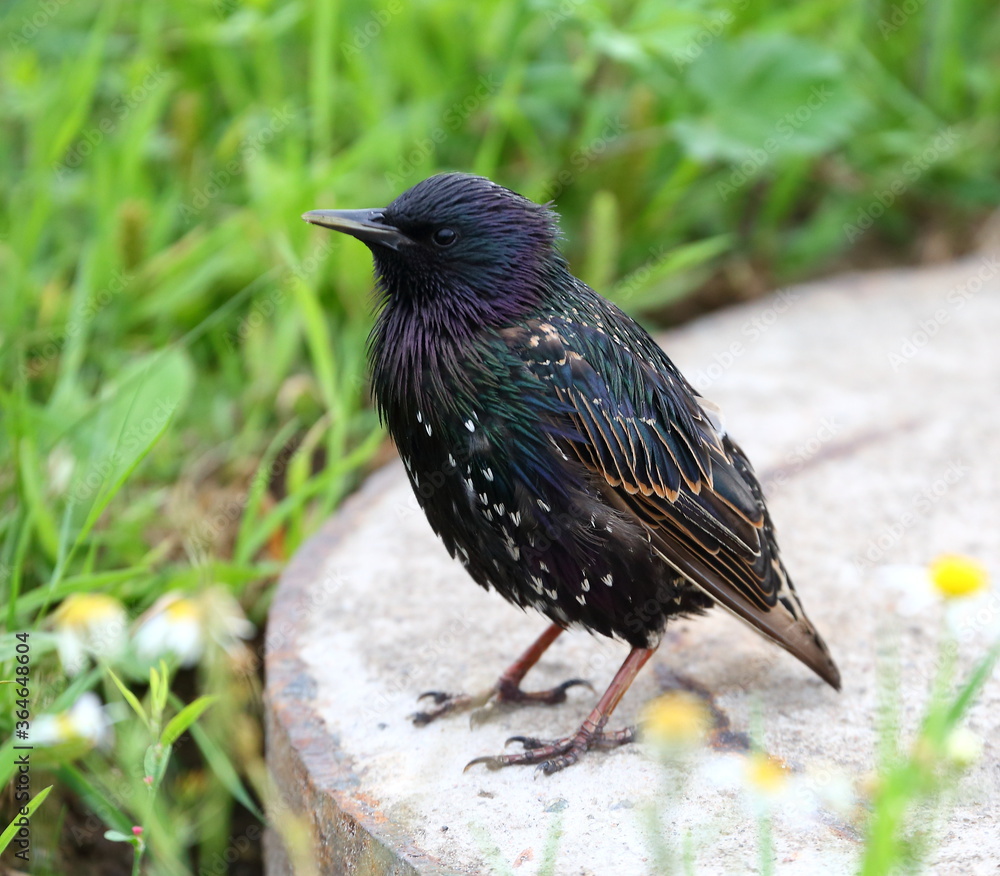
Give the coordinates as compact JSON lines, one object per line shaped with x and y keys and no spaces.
{"x":869,"y":405}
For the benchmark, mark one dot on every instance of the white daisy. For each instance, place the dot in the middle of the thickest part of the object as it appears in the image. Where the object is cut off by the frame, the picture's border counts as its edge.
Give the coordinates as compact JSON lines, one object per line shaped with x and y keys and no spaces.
{"x":88,"y":625}
{"x":86,"y":720}
{"x":173,"y":626}
{"x":182,"y":626}
{"x":961,"y":583}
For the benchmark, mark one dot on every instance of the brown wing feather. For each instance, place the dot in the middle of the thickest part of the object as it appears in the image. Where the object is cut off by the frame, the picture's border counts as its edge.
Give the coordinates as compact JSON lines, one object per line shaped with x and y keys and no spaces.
{"x":667,"y":462}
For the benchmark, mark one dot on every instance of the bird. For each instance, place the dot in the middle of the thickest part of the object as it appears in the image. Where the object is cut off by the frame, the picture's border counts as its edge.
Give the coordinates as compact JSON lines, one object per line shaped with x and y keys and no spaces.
{"x":556,"y":450}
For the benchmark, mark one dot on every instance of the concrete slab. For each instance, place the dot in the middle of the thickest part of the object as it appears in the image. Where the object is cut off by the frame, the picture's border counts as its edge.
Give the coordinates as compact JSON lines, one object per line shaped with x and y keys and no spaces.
{"x":870,"y":405}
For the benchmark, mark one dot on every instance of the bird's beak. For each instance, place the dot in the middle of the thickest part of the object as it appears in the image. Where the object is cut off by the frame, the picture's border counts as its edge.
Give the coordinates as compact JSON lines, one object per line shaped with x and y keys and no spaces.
{"x":367,"y":226}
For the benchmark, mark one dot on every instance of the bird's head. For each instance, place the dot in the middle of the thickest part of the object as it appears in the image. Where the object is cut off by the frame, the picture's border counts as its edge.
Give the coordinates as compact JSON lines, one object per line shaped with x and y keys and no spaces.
{"x":460,"y":243}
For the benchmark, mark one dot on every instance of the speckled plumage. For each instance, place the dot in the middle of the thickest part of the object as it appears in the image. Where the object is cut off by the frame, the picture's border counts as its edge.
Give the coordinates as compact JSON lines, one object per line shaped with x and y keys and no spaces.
{"x":554,"y":447}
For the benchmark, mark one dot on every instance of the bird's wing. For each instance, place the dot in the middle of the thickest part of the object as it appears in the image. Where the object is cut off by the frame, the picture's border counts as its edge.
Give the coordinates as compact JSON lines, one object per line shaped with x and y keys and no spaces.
{"x":666,"y":460}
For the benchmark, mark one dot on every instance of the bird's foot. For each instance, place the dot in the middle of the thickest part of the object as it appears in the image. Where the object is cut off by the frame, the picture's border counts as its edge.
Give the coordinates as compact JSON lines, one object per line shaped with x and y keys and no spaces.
{"x":444,"y":703}
{"x":485,"y":704}
{"x":551,"y":757}
{"x":508,"y":693}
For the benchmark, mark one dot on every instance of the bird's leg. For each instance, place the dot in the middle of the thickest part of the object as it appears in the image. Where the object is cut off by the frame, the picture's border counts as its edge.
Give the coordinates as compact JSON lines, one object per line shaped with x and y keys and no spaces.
{"x":507,"y":688}
{"x":561,"y":753}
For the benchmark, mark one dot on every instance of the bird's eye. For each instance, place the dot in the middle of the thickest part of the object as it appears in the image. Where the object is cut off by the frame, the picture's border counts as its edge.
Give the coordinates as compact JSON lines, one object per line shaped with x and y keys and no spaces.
{"x":444,"y":237}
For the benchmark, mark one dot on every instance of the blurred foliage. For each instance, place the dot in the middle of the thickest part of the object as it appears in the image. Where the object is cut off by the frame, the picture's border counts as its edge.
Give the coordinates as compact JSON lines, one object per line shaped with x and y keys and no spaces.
{"x":183,"y":397}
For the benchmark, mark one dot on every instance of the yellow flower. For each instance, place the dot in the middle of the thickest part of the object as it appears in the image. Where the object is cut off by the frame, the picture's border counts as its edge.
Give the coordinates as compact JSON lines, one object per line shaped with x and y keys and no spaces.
{"x":766,"y":774}
{"x":956,"y":576}
{"x":676,"y":720}
{"x":88,"y":624}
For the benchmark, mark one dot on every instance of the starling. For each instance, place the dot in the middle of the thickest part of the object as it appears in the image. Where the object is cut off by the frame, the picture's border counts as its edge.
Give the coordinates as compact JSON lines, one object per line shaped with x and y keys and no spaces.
{"x":555,"y":449}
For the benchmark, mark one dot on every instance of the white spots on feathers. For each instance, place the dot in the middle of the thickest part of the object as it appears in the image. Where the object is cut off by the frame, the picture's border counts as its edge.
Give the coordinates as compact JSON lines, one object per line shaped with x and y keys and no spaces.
{"x":451,"y":461}
{"x":581,"y":599}
{"x":585,"y":584}
{"x":551,"y":594}
{"x":516,"y":517}
{"x":543,"y":505}
{"x":489,"y":473}
{"x":470,"y":425}
{"x":537,"y":584}
{"x":607,"y":579}
{"x":420,"y":417}
{"x":427,"y":426}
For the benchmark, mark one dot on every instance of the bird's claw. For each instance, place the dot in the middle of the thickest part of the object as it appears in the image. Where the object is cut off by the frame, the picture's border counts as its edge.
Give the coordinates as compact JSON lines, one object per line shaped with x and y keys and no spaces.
{"x":507,"y":692}
{"x":551,"y":757}
{"x":443,"y":704}
{"x":485,"y":705}
{"x":439,"y":696}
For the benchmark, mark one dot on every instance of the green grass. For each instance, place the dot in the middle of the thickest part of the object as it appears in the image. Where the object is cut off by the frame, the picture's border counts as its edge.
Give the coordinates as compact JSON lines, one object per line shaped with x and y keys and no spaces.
{"x":183,"y":397}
